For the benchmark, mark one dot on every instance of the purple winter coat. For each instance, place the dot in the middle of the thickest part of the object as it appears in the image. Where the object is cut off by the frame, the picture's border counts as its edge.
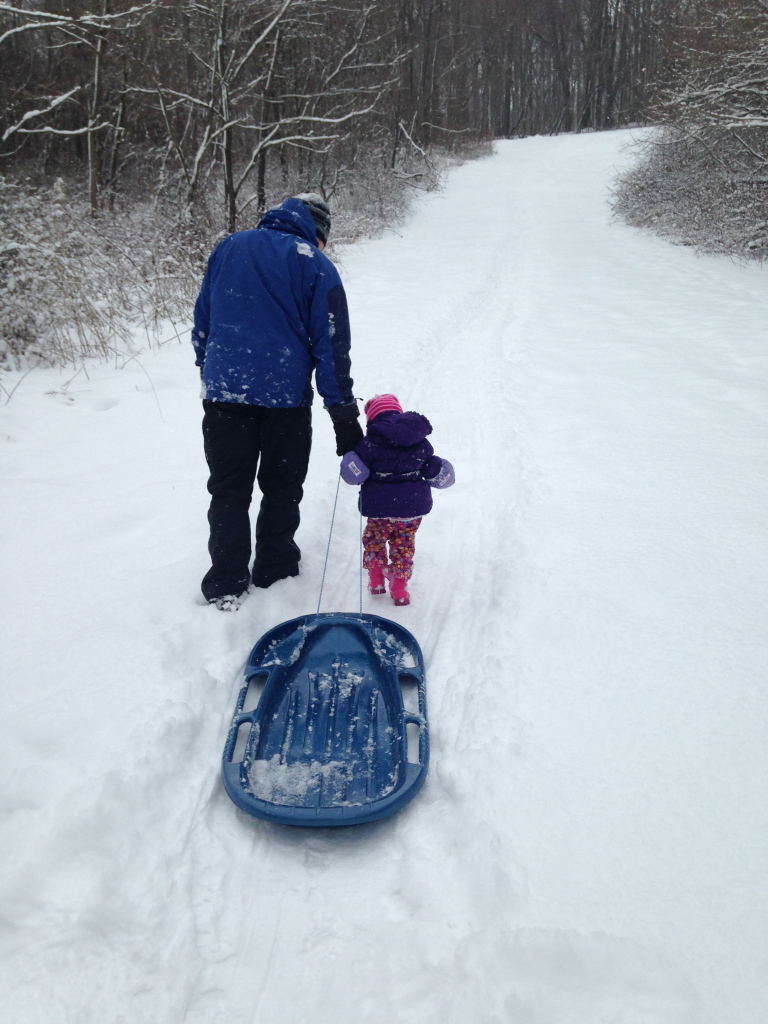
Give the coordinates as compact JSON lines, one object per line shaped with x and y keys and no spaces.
{"x":401,"y":462}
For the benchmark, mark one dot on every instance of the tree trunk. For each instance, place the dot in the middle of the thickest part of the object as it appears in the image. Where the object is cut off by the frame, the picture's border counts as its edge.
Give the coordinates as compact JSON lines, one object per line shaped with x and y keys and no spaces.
{"x":94,"y":109}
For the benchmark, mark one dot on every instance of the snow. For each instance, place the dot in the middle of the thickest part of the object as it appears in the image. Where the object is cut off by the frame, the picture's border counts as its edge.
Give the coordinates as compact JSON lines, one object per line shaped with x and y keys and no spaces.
{"x":591,"y":844}
{"x":291,"y":783}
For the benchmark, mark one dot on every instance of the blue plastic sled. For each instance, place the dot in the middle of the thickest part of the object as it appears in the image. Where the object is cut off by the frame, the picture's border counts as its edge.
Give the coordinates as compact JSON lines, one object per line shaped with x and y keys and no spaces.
{"x":327,"y":743}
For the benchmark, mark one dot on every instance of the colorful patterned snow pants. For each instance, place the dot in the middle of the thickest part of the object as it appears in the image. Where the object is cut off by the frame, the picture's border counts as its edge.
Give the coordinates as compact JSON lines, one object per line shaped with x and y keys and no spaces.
{"x":401,"y":539}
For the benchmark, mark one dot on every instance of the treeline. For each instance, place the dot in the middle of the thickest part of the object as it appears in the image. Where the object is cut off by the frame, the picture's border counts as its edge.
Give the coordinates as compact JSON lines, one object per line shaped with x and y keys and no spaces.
{"x":134,"y":133}
{"x":244,"y":97}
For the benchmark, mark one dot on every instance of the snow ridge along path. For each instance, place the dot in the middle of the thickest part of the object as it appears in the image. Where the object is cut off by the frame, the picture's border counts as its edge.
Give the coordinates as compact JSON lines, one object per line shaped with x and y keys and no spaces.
{"x":591,"y":844}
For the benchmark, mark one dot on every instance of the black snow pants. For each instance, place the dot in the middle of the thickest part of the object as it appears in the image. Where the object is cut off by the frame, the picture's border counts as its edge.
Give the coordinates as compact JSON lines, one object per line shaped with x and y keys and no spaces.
{"x":239,"y":440}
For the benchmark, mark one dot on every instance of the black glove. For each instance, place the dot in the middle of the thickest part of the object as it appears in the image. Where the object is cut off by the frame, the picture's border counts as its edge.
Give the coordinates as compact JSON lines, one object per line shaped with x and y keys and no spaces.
{"x":347,"y":436}
{"x":347,"y":429}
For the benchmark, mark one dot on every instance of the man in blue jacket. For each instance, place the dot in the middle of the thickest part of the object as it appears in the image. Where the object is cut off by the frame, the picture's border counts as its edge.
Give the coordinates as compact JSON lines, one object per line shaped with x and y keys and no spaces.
{"x":271,"y":310}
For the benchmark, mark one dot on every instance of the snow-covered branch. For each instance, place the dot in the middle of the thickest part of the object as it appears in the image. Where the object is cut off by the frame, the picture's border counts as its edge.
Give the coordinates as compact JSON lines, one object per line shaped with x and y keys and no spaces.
{"x":39,"y":113}
{"x":260,"y":39}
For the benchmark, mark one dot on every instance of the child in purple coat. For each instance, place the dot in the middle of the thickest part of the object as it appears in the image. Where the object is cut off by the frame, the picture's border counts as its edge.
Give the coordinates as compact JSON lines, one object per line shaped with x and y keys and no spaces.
{"x":397,"y":468}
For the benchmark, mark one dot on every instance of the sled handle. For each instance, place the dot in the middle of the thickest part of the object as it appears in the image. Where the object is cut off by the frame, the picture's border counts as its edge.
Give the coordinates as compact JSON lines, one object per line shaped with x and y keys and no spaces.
{"x":421,"y":722}
{"x":238,"y":720}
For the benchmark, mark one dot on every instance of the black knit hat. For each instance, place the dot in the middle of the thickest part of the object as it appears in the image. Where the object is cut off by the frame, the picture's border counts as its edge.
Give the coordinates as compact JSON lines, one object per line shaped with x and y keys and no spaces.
{"x":321,"y":215}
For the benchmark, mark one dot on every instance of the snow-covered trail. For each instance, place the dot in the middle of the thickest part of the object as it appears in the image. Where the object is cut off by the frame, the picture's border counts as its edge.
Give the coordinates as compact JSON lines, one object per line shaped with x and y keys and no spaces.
{"x":592,"y":841}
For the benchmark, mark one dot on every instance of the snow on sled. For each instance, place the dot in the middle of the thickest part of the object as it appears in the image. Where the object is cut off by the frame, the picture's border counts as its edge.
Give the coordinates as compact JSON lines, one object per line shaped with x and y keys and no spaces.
{"x":339,"y":733}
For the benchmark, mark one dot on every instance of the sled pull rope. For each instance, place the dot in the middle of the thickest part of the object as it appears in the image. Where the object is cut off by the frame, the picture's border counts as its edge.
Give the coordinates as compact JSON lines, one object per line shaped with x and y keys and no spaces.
{"x":328,"y":548}
{"x":361,"y":563}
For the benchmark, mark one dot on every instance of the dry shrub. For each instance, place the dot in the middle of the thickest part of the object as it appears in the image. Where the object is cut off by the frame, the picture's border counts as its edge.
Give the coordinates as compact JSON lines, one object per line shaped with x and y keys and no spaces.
{"x":72,"y":286}
{"x":704,"y":189}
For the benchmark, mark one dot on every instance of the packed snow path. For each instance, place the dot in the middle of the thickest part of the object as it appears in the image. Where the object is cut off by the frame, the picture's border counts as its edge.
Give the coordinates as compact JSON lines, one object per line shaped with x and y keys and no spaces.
{"x":591,"y":844}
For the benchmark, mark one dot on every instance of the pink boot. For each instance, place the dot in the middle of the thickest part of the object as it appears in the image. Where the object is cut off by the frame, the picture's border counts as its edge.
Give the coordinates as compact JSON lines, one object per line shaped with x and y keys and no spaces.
{"x":398,"y":589}
{"x":376,"y":580}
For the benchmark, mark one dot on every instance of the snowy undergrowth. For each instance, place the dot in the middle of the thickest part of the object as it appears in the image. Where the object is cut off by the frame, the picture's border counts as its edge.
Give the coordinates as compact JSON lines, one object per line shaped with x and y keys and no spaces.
{"x":73,"y":286}
{"x":590,"y":844}
{"x":704,"y":189}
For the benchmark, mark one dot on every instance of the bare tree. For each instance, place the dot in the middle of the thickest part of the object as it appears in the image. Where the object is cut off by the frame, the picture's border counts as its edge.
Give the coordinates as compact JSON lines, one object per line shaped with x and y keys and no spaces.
{"x":91,"y":34}
{"x":254,"y":89}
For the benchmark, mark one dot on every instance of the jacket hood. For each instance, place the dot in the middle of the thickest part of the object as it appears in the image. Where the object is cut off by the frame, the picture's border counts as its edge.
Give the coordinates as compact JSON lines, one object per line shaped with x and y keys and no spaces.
{"x":399,"y":428}
{"x":293,"y":218}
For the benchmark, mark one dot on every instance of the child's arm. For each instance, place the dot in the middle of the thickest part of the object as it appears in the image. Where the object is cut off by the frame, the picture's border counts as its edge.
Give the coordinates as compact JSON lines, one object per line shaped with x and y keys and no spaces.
{"x":439,"y":473}
{"x":353,"y":469}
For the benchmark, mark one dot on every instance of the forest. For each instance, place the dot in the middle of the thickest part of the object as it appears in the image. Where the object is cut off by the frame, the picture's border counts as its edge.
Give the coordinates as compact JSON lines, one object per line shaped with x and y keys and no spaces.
{"x":136,"y":134}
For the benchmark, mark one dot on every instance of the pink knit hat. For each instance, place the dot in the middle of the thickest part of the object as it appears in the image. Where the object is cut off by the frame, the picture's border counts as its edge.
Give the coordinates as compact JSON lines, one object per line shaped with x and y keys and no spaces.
{"x":380,"y":403}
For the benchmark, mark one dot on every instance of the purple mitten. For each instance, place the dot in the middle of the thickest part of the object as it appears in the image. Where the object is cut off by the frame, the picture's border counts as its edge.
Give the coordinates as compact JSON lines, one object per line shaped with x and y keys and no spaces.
{"x":354,"y":470}
{"x":445,"y":478}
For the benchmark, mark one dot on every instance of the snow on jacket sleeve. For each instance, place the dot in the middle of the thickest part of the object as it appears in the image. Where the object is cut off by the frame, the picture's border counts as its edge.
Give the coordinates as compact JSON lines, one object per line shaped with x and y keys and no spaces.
{"x":202,"y":316}
{"x":329,"y":337}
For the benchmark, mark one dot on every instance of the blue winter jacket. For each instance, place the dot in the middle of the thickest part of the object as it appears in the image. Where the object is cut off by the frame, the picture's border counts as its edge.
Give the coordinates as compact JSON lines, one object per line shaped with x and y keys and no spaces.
{"x":271,"y":310}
